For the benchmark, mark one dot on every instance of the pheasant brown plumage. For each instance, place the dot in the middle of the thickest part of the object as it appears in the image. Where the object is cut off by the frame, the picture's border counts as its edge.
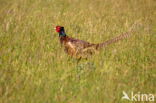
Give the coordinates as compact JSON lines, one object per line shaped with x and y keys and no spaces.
{"x":82,"y":49}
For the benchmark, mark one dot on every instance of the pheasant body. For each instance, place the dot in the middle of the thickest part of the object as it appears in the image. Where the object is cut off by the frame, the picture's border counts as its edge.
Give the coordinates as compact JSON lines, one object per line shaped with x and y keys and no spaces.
{"x":82,"y":49}
{"x":77,"y":48}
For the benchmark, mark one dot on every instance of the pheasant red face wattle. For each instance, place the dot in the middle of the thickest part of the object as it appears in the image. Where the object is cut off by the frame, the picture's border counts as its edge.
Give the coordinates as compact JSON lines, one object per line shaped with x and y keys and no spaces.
{"x":58,"y":29}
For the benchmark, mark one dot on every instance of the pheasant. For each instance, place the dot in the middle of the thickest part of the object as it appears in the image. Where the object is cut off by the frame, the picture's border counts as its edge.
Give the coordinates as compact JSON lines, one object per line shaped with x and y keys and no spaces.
{"x":83,"y":49}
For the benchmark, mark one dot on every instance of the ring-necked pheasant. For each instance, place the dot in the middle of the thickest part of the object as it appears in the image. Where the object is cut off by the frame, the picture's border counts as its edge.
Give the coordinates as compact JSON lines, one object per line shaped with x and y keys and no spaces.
{"x":82,"y":49}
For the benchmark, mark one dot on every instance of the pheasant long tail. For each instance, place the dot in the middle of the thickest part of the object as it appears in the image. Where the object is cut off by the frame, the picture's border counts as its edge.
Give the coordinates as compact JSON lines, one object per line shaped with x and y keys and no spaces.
{"x":114,"y":40}
{"x":120,"y":37}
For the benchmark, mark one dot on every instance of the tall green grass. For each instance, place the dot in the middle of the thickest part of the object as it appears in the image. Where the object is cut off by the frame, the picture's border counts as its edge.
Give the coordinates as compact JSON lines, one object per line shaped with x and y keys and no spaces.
{"x":35,"y":69}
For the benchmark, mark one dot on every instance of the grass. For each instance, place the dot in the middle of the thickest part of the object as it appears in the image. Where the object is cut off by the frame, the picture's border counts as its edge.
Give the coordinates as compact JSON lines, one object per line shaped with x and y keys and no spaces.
{"x":35,"y":69}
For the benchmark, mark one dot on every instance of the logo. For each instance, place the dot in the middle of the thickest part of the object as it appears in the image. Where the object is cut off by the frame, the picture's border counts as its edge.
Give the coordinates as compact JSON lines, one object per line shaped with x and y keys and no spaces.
{"x":138,"y":96}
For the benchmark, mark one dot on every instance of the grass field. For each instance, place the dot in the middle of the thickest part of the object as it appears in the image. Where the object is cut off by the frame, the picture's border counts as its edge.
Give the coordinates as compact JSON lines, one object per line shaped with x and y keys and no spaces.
{"x":35,"y":69}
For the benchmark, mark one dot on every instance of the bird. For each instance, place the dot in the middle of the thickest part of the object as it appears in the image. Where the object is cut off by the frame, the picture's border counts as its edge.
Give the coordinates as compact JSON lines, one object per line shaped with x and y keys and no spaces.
{"x":82,"y":49}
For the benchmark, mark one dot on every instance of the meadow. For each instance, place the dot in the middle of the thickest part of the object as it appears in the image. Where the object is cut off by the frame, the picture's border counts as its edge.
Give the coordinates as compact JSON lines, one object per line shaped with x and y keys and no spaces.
{"x":35,"y":69}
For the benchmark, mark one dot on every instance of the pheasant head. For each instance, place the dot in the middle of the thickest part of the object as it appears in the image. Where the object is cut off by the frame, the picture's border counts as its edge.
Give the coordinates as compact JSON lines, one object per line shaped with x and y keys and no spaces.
{"x":60,"y":30}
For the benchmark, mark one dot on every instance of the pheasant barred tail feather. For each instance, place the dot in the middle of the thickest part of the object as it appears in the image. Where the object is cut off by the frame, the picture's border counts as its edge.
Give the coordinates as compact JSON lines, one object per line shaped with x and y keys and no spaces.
{"x":114,"y":40}
{"x":120,"y":37}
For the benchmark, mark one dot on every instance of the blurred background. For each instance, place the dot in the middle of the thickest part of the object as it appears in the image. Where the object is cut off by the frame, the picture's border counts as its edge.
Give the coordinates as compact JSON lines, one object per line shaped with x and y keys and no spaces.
{"x":35,"y":69}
